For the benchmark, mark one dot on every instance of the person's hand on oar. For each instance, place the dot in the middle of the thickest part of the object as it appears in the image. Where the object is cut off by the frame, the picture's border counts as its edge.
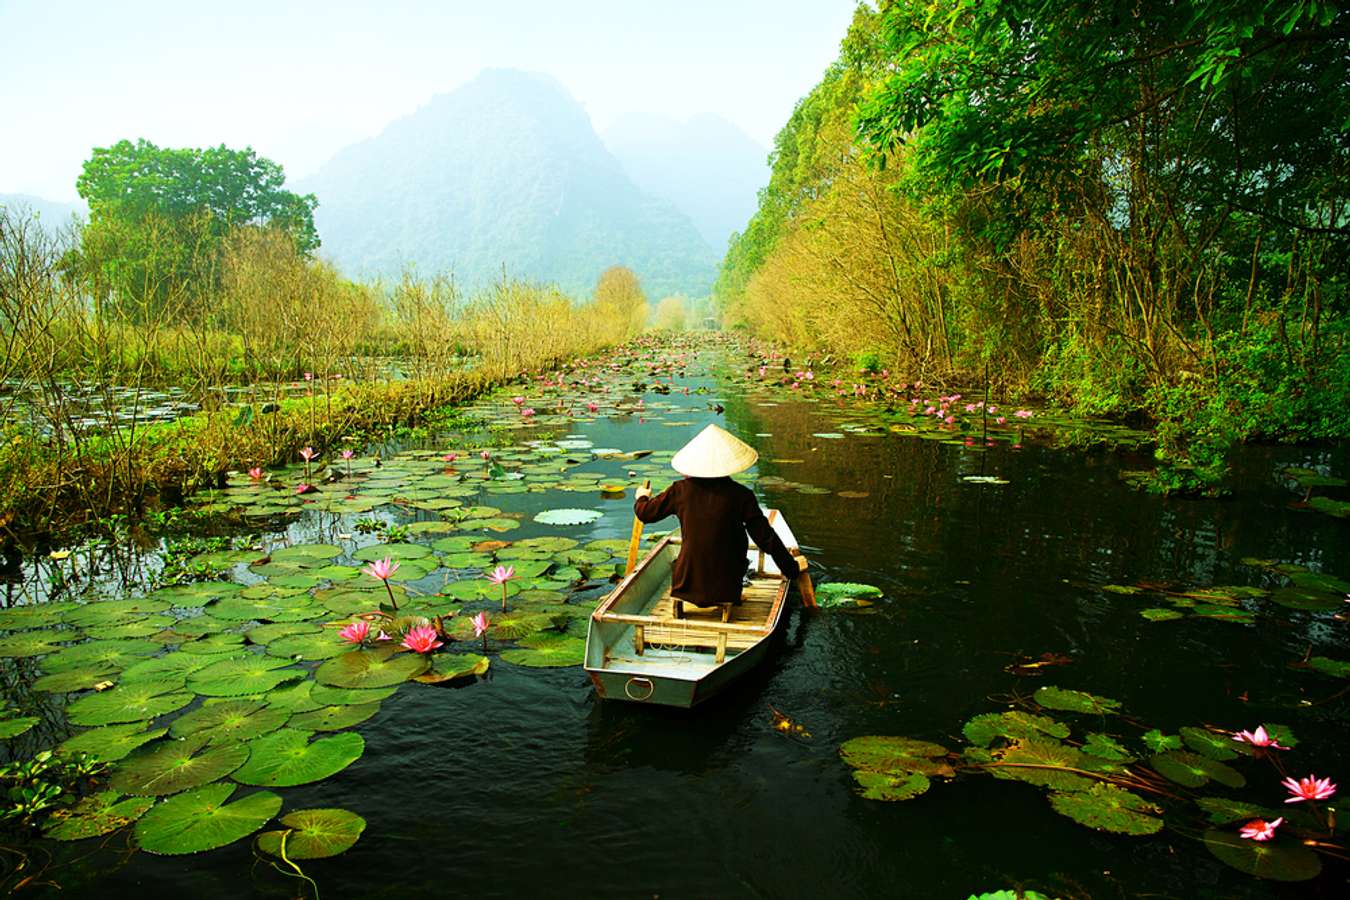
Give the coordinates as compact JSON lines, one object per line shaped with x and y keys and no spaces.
{"x":644,"y":491}
{"x":804,"y":585}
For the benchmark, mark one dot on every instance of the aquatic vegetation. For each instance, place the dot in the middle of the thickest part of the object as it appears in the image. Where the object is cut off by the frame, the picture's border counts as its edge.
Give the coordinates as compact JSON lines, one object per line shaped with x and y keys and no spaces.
{"x":1097,"y":781}
{"x":314,"y":833}
{"x":846,"y":593}
{"x":422,"y":638}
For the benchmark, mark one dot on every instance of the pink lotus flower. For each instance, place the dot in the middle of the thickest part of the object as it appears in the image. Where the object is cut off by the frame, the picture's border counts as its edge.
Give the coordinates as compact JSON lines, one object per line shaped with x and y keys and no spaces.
{"x":1023,"y":414}
{"x":356,"y":633}
{"x":481,"y":623}
{"x":592,"y":407}
{"x":421,"y":639}
{"x":256,"y":474}
{"x":949,"y":420}
{"x":501,"y":575}
{"x":527,"y":412}
{"x":450,"y":457}
{"x":347,"y":454}
{"x":485,"y":455}
{"x":1257,"y":738}
{"x":1310,"y":788}
{"x":303,"y":488}
{"x":1260,"y":830}
{"x":517,"y":400}
{"x":307,"y":453}
{"x":1002,"y":420}
{"x":382,"y":569}
{"x":309,"y":376}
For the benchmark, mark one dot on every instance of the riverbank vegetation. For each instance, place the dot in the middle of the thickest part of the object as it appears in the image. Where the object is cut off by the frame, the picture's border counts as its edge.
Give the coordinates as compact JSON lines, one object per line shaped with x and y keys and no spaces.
{"x":273,"y":347}
{"x":1139,"y":213}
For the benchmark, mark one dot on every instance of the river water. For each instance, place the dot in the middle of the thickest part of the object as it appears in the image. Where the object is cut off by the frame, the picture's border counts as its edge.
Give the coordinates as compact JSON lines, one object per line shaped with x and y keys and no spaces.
{"x":525,"y":784}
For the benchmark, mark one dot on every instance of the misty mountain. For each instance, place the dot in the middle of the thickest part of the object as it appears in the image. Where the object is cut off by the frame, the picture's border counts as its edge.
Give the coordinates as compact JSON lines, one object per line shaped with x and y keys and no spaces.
{"x":706,"y":166}
{"x":504,"y":171}
{"x":53,"y":215}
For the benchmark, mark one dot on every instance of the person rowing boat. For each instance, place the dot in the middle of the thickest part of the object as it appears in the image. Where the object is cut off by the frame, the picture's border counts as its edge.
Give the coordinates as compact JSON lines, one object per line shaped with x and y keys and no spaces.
{"x":715,"y":516}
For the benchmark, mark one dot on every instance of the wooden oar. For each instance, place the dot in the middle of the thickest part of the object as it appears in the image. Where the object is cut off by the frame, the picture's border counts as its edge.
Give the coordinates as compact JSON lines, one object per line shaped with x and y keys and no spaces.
{"x":804,"y":585}
{"x":635,"y":539}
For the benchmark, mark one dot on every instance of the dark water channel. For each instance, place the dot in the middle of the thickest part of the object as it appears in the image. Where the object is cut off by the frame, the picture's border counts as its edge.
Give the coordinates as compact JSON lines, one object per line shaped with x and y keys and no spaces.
{"x":526,"y":785}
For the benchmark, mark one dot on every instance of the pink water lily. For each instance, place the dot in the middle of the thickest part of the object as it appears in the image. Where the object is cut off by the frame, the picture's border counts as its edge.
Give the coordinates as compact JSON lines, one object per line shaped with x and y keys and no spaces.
{"x":256,"y":473}
{"x":480,"y":627}
{"x":356,"y":633}
{"x":517,"y":400}
{"x":450,"y":457}
{"x":384,"y":569}
{"x":484,"y":454}
{"x":1260,"y":829}
{"x":1310,"y":788}
{"x":303,"y":488}
{"x":527,"y":412}
{"x":347,"y":454}
{"x":501,"y":575}
{"x":421,"y":639}
{"x":1023,"y":414}
{"x":592,"y":407}
{"x":307,"y":453}
{"x":1257,"y":738}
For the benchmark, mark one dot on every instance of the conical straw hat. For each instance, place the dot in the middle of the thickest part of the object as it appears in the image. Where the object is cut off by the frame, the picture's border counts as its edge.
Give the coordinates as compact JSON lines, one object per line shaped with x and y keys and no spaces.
{"x":714,"y":453}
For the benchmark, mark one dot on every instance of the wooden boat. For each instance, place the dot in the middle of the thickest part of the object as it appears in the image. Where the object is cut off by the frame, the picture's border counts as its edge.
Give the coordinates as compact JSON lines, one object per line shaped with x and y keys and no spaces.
{"x":636,"y":649}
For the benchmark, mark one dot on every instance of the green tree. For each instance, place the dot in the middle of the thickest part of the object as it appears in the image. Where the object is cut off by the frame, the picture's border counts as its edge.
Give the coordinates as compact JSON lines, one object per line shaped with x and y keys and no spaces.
{"x":158,"y":217}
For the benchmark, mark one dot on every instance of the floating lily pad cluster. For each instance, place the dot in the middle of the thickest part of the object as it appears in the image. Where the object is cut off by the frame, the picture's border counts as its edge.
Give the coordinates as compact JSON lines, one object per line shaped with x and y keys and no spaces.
{"x":210,"y":699}
{"x":1316,"y":485}
{"x":1109,"y":782}
{"x":1298,"y":588}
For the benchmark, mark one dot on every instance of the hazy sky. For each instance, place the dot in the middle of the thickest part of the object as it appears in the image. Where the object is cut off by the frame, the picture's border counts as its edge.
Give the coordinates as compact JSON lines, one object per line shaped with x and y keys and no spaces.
{"x":300,"y":80}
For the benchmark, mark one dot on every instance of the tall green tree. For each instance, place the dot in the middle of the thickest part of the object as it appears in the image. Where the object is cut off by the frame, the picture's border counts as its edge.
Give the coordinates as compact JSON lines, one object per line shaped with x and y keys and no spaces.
{"x":158,"y":217}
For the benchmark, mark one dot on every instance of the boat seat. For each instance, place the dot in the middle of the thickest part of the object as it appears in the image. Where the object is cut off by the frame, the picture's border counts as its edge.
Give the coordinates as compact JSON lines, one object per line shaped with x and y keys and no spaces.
{"x":683,"y":633}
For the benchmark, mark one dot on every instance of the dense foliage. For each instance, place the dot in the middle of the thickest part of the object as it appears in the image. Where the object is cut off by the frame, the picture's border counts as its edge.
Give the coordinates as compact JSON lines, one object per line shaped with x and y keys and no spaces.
{"x":158,"y":218}
{"x":1132,"y":207}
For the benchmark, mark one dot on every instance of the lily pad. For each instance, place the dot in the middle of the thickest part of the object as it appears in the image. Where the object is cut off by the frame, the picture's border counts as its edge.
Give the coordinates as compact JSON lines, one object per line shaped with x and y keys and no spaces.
{"x":173,"y":766}
{"x":1052,"y":697}
{"x":201,"y":820}
{"x":11,"y":728}
{"x":307,"y":646}
{"x":1158,"y":614}
{"x":324,"y":695}
{"x":371,"y":668}
{"x":1156,"y":741}
{"x":314,"y":833}
{"x":885,"y":786}
{"x":895,"y":755}
{"x":1041,"y":761}
{"x":452,"y":667}
{"x":1211,"y":744}
{"x":1194,"y":770}
{"x":252,"y":674}
{"x":288,"y":757}
{"x":95,"y":815}
{"x":230,"y":721}
{"x":129,"y":703}
{"x":1328,"y":666}
{"x":547,"y":649}
{"x":111,"y":742}
{"x":1014,"y":725}
{"x":1106,"y":807}
{"x":567,"y":516}
{"x":1275,"y":860}
{"x":334,"y":718}
{"x":1222,"y":810}
{"x":33,"y":643}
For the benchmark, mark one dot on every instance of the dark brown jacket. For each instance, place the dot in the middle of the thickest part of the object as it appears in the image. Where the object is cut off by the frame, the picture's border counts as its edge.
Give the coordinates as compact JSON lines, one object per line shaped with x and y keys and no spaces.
{"x":715,"y":514}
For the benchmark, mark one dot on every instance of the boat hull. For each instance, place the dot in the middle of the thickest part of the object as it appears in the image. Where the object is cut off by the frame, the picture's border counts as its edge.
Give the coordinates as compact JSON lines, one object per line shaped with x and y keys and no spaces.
{"x":636,"y":651}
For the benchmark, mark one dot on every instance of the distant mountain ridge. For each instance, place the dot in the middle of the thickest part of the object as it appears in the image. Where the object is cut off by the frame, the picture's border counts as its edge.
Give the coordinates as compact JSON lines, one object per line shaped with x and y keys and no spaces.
{"x":708,"y":167}
{"x":53,"y":214}
{"x":505,"y":171}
